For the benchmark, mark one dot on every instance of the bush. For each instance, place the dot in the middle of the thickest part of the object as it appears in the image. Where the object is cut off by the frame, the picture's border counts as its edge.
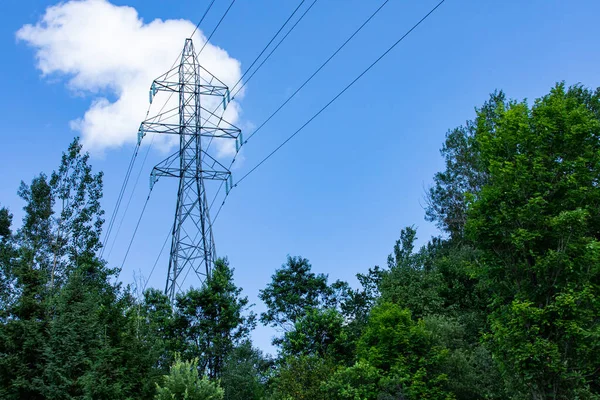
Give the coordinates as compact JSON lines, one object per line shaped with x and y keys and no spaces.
{"x":184,"y":383}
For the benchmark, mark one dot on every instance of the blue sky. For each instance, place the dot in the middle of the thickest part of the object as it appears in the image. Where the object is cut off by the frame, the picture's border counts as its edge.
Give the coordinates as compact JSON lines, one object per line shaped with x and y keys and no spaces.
{"x":340,"y":192}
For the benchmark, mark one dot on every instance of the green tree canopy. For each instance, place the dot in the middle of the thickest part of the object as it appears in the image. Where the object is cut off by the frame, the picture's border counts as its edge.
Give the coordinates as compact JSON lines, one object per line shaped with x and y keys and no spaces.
{"x":293,"y":290}
{"x":537,"y":220}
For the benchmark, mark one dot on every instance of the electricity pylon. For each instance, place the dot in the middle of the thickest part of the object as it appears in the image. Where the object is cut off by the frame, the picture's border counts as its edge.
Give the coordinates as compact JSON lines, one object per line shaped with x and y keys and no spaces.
{"x":192,"y":243}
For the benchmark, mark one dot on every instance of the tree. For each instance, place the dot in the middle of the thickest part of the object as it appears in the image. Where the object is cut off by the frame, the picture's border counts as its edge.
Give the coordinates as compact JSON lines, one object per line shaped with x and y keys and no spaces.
{"x":7,"y":294}
{"x":472,"y":373}
{"x":410,"y":281}
{"x":356,"y":304}
{"x":301,"y":378}
{"x":360,"y":381}
{"x":464,"y":295}
{"x":7,"y":255}
{"x":404,"y":353}
{"x":212,"y":319}
{"x":320,"y":333}
{"x":536,"y":220}
{"x":77,"y":227}
{"x":438,"y":285}
{"x":293,"y":290}
{"x":464,"y":174}
{"x":66,"y":331}
{"x":441,"y":278}
{"x":74,"y":330}
{"x":184,"y":383}
{"x":245,"y":373}
{"x":24,"y":324}
{"x":157,"y":324}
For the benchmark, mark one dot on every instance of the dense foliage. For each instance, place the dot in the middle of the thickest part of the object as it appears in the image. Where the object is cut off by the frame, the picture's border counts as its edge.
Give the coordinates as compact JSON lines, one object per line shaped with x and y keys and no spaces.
{"x":504,"y":305}
{"x":184,"y":382}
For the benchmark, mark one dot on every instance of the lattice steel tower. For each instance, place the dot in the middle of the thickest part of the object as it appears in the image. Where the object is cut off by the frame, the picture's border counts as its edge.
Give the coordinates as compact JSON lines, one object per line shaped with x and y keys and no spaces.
{"x":192,"y":244}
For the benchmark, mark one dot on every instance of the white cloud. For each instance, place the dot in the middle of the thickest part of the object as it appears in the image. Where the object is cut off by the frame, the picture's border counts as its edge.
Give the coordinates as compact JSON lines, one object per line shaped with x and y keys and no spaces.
{"x":108,"y":53}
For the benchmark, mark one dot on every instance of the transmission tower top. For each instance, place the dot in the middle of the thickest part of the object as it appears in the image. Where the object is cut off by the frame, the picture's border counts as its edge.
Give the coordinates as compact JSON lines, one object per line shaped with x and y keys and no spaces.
{"x":196,"y":124}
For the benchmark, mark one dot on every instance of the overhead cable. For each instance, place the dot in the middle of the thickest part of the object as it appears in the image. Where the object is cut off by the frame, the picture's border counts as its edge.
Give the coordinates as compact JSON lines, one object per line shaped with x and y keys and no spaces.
{"x":341,"y":92}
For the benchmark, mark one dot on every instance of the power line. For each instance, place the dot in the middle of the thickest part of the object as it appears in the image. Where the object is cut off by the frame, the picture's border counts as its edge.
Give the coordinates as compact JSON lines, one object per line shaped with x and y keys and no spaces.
{"x":300,"y":88}
{"x":303,"y":84}
{"x":322,"y":109}
{"x":309,"y":78}
{"x":253,"y":73}
{"x":134,"y":186}
{"x":157,"y":258}
{"x":266,"y":58}
{"x":263,"y":62}
{"x":139,"y":174}
{"x":272,"y":51}
{"x":203,"y":16}
{"x":133,"y":236}
{"x":317,"y":71}
{"x":126,"y":181}
{"x":331,"y":101}
{"x":130,"y":198}
{"x":268,"y":44}
{"x":119,"y":199}
{"x":216,"y":27}
{"x":340,"y":93}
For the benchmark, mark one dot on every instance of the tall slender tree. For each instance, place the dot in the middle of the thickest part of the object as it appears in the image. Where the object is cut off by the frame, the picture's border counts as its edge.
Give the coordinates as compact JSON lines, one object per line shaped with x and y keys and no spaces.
{"x":24,"y":329}
{"x":214,"y":319}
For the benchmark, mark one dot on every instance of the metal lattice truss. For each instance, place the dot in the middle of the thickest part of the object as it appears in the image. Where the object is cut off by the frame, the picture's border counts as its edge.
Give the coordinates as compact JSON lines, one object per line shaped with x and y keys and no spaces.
{"x":192,"y":244}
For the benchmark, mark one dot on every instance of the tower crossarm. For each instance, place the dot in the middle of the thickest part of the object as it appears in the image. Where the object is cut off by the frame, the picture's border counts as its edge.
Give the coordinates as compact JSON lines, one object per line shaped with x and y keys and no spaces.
{"x":223,"y":132}
{"x":207,"y":84}
{"x":202,"y":89}
{"x":205,"y":76}
{"x":210,"y":169}
{"x":174,"y":172}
